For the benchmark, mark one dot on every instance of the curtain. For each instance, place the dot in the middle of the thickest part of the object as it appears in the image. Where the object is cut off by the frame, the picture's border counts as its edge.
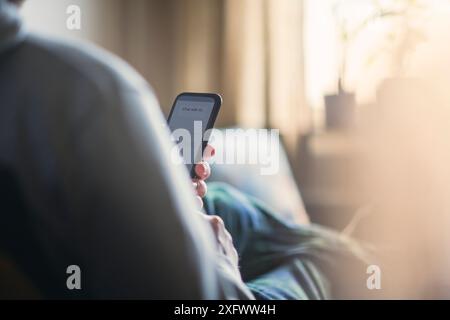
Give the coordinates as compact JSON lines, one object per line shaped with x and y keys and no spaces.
{"x":252,"y":52}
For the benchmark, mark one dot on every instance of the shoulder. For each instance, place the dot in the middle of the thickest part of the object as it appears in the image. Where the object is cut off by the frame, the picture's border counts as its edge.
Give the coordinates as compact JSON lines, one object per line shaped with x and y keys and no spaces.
{"x":79,"y":61}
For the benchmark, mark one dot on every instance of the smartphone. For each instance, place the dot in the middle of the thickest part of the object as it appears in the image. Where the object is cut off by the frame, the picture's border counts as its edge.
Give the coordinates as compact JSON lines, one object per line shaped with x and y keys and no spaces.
{"x":195,"y":114}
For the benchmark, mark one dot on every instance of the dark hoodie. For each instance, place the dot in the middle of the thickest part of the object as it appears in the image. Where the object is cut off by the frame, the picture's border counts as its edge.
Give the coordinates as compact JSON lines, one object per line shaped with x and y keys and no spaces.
{"x":85,"y":178}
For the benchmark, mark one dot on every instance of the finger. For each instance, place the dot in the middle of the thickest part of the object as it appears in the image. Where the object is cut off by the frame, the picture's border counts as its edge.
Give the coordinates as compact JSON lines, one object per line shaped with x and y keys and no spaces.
{"x":202,"y":170}
{"x":199,"y":201}
{"x":201,"y":188}
{"x":209,"y":152}
{"x":216,"y":223}
{"x":228,"y":235}
{"x":218,"y":227}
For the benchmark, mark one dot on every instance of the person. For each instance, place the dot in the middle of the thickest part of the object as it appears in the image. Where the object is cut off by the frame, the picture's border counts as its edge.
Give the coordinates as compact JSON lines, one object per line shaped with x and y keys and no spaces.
{"x":85,"y":180}
{"x":83,"y":146}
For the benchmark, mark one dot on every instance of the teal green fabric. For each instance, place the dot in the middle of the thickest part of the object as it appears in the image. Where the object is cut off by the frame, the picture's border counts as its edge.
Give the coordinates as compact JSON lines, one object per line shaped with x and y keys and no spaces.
{"x":282,"y":260}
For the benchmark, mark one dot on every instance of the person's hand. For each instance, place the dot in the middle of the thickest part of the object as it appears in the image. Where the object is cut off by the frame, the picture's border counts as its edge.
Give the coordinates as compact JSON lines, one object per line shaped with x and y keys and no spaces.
{"x":224,"y":240}
{"x":202,"y":172}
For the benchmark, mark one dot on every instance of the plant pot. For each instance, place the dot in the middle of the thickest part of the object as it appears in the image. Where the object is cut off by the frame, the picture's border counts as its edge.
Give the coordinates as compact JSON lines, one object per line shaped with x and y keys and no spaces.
{"x":340,"y":110}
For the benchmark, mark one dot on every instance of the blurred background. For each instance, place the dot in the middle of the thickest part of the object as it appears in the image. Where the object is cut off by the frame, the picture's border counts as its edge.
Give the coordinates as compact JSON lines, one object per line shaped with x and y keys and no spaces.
{"x":357,"y":88}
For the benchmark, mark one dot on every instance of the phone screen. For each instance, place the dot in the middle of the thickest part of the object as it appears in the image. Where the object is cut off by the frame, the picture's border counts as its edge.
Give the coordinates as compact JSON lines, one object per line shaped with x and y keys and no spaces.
{"x":195,"y":113}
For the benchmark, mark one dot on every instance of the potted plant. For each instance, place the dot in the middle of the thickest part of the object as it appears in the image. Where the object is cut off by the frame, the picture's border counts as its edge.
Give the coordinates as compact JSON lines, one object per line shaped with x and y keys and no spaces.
{"x":404,"y":14}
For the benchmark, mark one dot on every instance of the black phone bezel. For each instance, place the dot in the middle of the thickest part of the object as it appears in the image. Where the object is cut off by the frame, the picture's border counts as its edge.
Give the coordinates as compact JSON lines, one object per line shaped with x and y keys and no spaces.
{"x":212,"y":119}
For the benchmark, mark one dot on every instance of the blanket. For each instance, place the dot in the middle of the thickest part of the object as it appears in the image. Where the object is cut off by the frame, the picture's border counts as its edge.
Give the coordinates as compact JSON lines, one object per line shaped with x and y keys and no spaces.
{"x":285,"y":260}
